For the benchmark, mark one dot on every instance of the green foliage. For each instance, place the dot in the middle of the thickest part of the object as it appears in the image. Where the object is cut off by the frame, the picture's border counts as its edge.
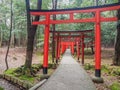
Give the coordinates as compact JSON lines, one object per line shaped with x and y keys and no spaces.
{"x":1,"y":88}
{"x":108,"y":33}
{"x":115,"y":86}
{"x":105,"y":68}
{"x":112,"y":71}
{"x":115,"y":71}
{"x":87,"y":3}
{"x":19,"y":20}
{"x":46,"y":5}
{"x":88,"y":66}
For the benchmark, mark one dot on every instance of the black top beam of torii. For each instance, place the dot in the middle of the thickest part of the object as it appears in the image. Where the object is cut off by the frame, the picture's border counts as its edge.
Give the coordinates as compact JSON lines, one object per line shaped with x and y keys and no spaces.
{"x":71,"y":9}
{"x":72,"y":31}
{"x":72,"y":36}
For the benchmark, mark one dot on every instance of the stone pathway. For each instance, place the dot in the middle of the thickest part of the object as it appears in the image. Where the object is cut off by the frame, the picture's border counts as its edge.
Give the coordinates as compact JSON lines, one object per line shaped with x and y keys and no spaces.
{"x":69,"y":76}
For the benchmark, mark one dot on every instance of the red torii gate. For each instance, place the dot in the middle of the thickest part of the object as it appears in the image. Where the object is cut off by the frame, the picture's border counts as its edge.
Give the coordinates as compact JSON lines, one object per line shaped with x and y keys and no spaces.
{"x":78,"y":34}
{"x":97,"y":19}
{"x":76,"y":39}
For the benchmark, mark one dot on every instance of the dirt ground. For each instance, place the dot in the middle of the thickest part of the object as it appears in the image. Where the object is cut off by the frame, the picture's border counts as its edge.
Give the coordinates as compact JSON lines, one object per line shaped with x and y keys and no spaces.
{"x":16,"y":58}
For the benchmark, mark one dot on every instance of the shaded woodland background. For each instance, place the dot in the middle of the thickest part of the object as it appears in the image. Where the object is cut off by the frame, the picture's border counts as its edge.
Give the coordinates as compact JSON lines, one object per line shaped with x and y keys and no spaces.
{"x":19,"y":26}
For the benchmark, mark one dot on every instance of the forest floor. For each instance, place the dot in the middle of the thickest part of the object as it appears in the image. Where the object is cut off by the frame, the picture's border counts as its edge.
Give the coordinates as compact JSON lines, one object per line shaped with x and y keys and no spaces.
{"x":16,"y":58}
{"x":109,"y":73}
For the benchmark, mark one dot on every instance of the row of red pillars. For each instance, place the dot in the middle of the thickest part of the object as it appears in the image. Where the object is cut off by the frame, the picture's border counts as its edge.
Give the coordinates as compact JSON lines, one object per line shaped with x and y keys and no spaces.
{"x":63,"y":45}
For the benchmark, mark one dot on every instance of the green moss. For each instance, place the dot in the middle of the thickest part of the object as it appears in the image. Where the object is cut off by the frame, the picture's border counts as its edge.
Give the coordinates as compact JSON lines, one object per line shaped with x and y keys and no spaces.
{"x":105,"y":68}
{"x":19,"y":73}
{"x":10,"y":71}
{"x":27,"y":78}
{"x":88,"y":67}
{"x":39,"y":54}
{"x":115,"y":86}
{"x":21,"y":77}
{"x":115,"y":72}
{"x":1,"y":88}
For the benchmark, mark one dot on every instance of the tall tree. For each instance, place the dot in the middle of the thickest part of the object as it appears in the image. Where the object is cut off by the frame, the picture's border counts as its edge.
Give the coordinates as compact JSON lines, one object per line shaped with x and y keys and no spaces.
{"x":96,"y":2}
{"x":11,"y":27}
{"x":31,"y":30}
{"x":116,"y":60}
{"x":54,"y":2}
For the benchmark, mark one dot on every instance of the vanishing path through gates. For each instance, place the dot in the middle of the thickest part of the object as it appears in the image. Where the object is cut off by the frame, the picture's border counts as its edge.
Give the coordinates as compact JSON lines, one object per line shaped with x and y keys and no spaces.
{"x":68,"y":76}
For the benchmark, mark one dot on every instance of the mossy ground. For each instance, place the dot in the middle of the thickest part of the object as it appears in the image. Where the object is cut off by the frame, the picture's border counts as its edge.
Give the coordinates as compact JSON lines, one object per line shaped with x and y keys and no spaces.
{"x":110,"y":73}
{"x":1,"y":88}
{"x":15,"y":72}
{"x":115,"y":86}
{"x":37,"y":69}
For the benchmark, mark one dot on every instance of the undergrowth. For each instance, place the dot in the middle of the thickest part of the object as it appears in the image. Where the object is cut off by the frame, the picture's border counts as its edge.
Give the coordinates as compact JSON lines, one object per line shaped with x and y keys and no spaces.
{"x":18,"y":73}
{"x":1,"y":88}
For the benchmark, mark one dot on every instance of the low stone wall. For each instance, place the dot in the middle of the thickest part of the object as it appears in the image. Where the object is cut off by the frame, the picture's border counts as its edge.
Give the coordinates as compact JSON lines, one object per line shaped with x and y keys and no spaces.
{"x":16,"y":81}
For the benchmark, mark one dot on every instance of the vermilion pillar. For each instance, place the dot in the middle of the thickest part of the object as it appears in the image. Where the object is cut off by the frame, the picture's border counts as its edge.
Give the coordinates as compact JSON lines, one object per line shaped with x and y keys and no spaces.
{"x":46,"y":45}
{"x":63,"y":47}
{"x":72,"y":47}
{"x":83,"y":45}
{"x":97,"y":46}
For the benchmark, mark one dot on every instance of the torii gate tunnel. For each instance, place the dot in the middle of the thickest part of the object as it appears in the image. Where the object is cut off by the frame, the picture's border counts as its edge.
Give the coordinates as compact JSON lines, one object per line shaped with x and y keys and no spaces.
{"x":96,"y":19}
{"x":73,"y":38}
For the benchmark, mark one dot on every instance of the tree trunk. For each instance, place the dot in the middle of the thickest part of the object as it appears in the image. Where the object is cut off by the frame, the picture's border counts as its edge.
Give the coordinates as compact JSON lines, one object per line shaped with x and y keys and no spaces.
{"x":53,"y":34}
{"x":96,"y":2}
{"x":1,"y":37}
{"x":11,"y":21}
{"x":116,"y":60}
{"x":31,"y":30}
{"x":12,"y":40}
